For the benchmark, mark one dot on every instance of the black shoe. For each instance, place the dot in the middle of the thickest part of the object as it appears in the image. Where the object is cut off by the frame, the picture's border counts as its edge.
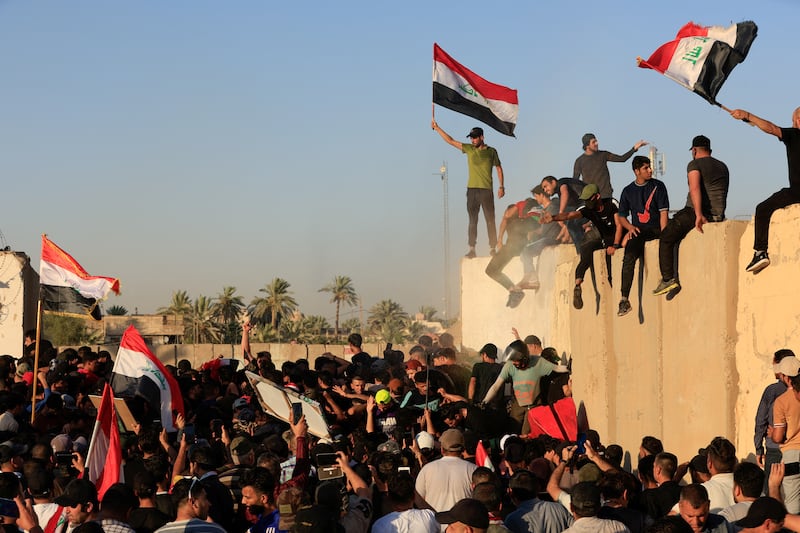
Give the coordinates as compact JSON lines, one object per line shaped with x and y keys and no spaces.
{"x":577,"y":298}
{"x":471,"y":254}
{"x":514,"y":298}
{"x":624,"y":308}
{"x":760,"y":262}
{"x":666,"y":286}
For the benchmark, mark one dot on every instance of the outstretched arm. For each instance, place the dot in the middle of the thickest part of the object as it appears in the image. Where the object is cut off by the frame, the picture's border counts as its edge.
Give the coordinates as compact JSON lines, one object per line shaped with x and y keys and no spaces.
{"x":449,"y":140}
{"x":764,"y":125}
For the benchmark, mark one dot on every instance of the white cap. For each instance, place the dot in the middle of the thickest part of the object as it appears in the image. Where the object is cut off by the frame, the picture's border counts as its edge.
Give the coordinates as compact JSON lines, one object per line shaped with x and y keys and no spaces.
{"x":425,"y":440}
{"x":789,"y":366}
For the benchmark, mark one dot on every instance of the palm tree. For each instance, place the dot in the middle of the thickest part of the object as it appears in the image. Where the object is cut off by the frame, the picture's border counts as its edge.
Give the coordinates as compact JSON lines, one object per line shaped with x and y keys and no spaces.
{"x":351,"y":325}
{"x":226,"y":310}
{"x":316,"y":326}
{"x":201,"y":320}
{"x":388,"y":319}
{"x":117,"y":310}
{"x":428,"y":313}
{"x":277,"y":302}
{"x":342,"y":292}
{"x":179,"y":307}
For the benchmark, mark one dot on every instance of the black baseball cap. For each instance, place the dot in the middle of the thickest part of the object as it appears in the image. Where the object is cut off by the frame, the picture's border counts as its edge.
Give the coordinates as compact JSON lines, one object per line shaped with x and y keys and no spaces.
{"x":475,"y":132}
{"x":701,"y":141}
{"x":762,"y":509}
{"x":469,"y":512}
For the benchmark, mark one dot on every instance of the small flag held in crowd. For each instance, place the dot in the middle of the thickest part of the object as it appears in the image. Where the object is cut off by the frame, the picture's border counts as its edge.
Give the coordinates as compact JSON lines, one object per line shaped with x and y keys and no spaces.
{"x":701,"y":57}
{"x":482,"y":456}
{"x":104,"y":458}
{"x":458,"y":88}
{"x":137,"y":372}
{"x":65,"y":287}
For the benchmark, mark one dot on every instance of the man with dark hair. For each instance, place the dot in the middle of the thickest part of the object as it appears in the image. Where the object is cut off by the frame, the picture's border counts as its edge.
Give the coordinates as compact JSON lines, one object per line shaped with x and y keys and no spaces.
{"x":646,"y":201}
{"x":721,"y":459}
{"x":402,"y":516}
{"x":484,"y":374}
{"x":767,"y":450}
{"x":146,"y":517}
{"x":601,"y":212}
{"x":358,"y":356}
{"x":445,"y":362}
{"x":694,"y":509}
{"x":767,"y":515}
{"x":748,"y":481}
{"x":258,"y":488}
{"x":650,"y":446}
{"x":202,"y":465}
{"x":80,"y":501}
{"x":533,"y":514}
{"x":585,"y":505}
{"x":786,"y":432}
{"x":189,"y":498}
{"x":708,"y":195}
{"x":115,"y":509}
{"x":491,"y":496}
{"x":519,"y":221}
{"x":657,"y":502}
{"x":616,"y":489}
{"x":568,"y":191}
{"x":783,"y":198}
{"x":480,"y":160}
{"x":592,"y":164}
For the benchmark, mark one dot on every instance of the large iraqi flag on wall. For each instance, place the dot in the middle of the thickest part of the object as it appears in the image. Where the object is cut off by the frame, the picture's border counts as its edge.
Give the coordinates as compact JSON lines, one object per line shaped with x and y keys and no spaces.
{"x":137,"y":372}
{"x":701,"y":57}
{"x":65,"y":287}
{"x":458,"y":88}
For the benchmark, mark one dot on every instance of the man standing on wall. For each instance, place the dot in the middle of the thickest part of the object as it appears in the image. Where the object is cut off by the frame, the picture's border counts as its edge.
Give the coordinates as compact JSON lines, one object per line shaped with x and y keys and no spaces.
{"x":592,"y":164}
{"x":480,"y":160}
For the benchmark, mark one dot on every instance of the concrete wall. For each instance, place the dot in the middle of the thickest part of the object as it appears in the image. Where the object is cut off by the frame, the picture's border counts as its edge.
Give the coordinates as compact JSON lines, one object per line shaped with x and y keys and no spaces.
{"x":684,"y":370}
{"x":19,"y":288}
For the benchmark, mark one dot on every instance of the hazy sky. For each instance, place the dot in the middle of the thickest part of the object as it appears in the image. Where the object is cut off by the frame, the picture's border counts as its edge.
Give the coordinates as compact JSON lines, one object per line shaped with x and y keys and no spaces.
{"x":194,"y":144}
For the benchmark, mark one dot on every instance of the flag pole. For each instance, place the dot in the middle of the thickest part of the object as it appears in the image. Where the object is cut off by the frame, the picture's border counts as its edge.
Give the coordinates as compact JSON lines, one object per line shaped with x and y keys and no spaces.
{"x":36,"y":355}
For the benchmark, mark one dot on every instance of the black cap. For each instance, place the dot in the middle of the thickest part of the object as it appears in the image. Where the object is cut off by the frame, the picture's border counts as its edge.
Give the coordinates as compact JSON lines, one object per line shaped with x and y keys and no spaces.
{"x":701,"y":141}
{"x":475,"y":132}
{"x":762,"y":509}
{"x":79,"y":491}
{"x":469,"y":512}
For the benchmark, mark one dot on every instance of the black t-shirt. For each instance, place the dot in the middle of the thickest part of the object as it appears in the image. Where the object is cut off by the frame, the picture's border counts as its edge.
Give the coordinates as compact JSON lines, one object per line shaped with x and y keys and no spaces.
{"x":574,"y":189}
{"x":147,"y":519}
{"x":791,"y":138}
{"x":603,"y":220}
{"x":485,"y":375}
{"x":714,"y":181}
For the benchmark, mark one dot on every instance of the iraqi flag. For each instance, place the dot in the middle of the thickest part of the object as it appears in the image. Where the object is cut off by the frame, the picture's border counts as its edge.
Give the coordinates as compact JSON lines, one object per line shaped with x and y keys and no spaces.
{"x":559,"y":420}
{"x":137,"y":372}
{"x":65,"y":287}
{"x":215,"y":364}
{"x":701,"y":57}
{"x":458,"y":88}
{"x":104,"y":458}
{"x":482,"y":456}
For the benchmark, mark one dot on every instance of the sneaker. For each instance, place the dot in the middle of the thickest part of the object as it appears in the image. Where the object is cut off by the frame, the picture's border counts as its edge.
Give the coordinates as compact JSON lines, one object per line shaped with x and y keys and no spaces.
{"x":577,"y":299}
{"x":624,"y":308}
{"x":471,"y":254}
{"x":514,"y":298}
{"x":760,"y":262}
{"x":666,"y":286}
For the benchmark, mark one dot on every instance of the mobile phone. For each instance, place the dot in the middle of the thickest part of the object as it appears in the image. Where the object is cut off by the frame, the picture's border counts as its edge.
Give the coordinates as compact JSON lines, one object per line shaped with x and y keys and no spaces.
{"x":327,"y":467}
{"x":581,"y":449}
{"x":188,"y":431}
{"x":8,"y":508}
{"x":297,"y":412}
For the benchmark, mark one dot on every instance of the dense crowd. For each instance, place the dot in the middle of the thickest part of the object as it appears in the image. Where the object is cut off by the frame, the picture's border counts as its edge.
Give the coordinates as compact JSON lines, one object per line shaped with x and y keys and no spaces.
{"x":415,"y":442}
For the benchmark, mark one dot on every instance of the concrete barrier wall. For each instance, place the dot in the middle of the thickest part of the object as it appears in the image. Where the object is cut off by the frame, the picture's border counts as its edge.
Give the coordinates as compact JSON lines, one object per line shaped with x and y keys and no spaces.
{"x":684,"y":370}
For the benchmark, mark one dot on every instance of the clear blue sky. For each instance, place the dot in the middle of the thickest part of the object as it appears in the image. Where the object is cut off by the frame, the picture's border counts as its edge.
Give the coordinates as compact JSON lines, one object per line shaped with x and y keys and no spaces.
{"x":193,"y":144}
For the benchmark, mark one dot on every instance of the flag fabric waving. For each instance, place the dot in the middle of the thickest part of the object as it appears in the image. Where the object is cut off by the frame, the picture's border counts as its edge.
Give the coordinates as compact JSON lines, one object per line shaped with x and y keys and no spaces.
{"x":137,"y":372}
{"x":701,"y":57}
{"x":65,"y":287}
{"x":458,"y":88}
{"x":104,"y":458}
{"x":482,"y":457}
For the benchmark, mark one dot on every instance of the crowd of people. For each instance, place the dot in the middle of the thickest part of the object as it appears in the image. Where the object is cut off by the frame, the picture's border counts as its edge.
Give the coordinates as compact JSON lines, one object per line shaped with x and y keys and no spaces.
{"x":415,"y":442}
{"x":592,"y":219}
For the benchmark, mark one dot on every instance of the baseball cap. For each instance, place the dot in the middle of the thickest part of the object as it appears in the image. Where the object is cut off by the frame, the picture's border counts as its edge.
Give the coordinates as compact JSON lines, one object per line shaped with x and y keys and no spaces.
{"x":469,"y":512}
{"x":452,"y":440}
{"x":762,"y":509}
{"x":588,"y":191}
{"x":586,"y":139}
{"x":383,"y":396}
{"x":79,"y":491}
{"x":241,"y":446}
{"x":701,"y":141}
{"x":789,"y":366}
{"x":390,"y":446}
{"x":425,"y":440}
{"x":475,"y":132}
{"x":239,"y":403}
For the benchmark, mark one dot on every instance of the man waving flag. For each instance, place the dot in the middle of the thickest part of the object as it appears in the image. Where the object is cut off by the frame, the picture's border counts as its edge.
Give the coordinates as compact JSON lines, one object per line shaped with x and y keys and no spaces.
{"x":458,"y":88}
{"x":701,"y":57}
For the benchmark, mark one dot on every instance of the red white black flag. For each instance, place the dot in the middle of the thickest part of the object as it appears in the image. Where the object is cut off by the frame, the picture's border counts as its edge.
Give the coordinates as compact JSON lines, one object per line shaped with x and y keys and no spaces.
{"x":458,"y":88}
{"x":701,"y":57}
